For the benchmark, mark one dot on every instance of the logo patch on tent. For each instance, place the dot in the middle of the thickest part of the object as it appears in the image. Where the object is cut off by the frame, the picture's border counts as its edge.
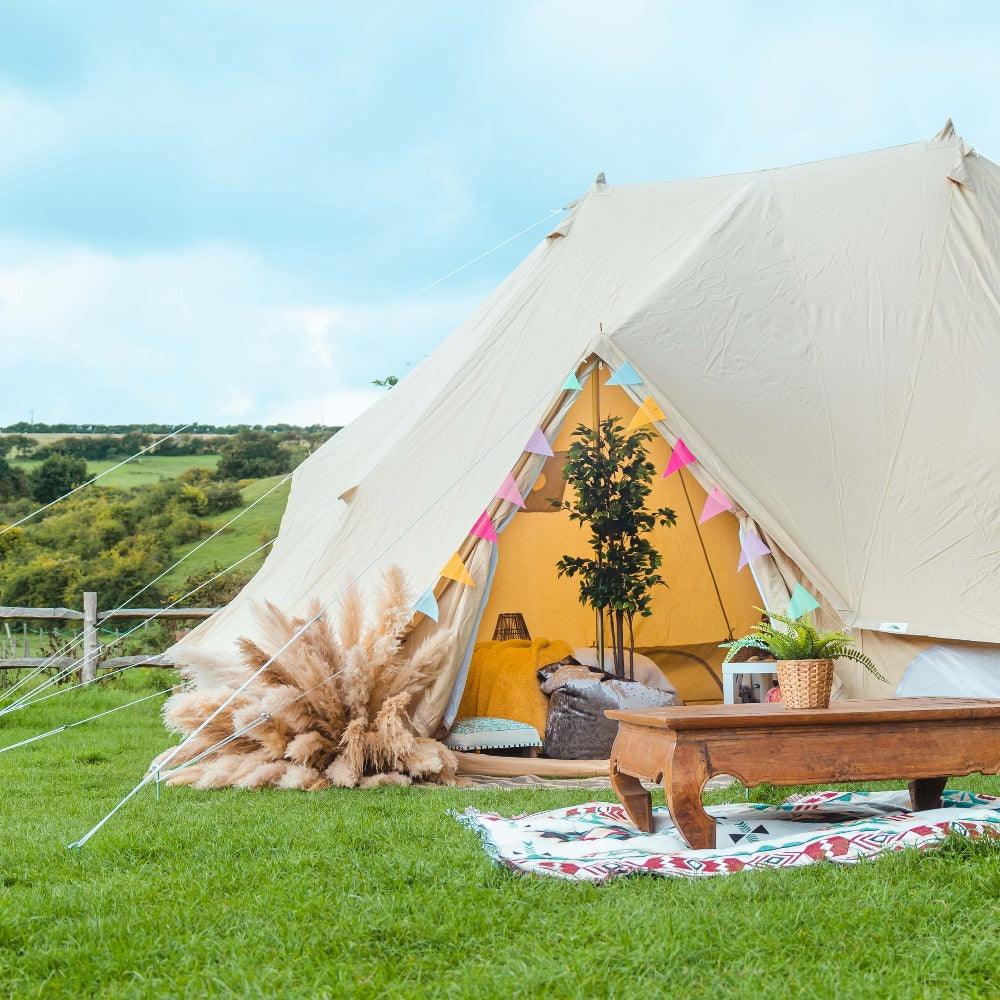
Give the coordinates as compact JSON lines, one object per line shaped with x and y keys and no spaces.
{"x":625,"y":375}
{"x":894,"y":626}
{"x":679,"y":457}
{"x":538,"y":444}
{"x":455,"y":570}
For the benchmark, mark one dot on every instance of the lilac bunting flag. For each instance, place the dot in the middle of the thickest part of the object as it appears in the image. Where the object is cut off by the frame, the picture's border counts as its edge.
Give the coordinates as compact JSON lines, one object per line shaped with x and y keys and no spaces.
{"x":753,"y":548}
{"x":538,"y":444}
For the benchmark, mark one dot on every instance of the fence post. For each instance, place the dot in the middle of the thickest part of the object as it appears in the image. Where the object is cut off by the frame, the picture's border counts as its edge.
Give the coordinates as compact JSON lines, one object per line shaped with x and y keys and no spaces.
{"x":91,"y":641}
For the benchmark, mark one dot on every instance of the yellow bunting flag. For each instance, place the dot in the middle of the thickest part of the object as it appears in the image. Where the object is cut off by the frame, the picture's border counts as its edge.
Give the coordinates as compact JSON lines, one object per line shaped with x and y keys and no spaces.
{"x":455,"y":570}
{"x":646,"y":414}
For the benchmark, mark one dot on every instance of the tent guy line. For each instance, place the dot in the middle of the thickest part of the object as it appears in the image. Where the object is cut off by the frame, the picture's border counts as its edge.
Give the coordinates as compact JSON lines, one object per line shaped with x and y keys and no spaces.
{"x":132,"y":666}
{"x":73,"y":643}
{"x":149,"y":776}
{"x":93,"y":479}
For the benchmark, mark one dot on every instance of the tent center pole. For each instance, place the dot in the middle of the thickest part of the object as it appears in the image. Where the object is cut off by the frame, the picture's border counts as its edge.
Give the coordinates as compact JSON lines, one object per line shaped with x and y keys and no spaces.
{"x":704,"y":552}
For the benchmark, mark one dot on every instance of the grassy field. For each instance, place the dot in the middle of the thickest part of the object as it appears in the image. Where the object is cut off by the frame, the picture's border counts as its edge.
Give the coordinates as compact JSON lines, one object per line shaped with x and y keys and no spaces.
{"x":382,"y":894}
{"x":140,"y":471}
{"x":258,"y":525}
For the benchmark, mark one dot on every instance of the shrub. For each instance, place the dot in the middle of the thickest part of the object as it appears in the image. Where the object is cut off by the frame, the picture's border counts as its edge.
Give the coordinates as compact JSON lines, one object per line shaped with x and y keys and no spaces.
{"x":13,"y":482}
{"x":57,"y":475}
{"x":223,"y":496}
{"x":253,"y":455}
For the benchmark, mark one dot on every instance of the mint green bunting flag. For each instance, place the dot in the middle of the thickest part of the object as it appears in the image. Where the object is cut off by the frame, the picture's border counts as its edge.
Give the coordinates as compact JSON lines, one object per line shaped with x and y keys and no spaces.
{"x":801,"y":602}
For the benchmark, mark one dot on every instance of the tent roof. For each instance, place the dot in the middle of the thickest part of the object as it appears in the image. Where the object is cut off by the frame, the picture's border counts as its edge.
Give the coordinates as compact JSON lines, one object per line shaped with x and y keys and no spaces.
{"x":825,"y":337}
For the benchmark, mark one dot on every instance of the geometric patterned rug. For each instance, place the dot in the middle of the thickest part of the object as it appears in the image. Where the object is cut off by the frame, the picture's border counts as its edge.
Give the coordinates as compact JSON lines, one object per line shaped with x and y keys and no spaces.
{"x":596,"y":841}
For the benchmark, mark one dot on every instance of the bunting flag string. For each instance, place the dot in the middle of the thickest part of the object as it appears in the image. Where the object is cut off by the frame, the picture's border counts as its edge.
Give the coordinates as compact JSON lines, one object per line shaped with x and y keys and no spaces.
{"x":572,"y":383}
{"x":647,"y":413}
{"x":679,"y":457}
{"x":753,"y":547}
{"x":455,"y":570}
{"x":427,"y":605}
{"x":483,"y":528}
{"x":801,"y":602}
{"x":624,"y":375}
{"x":715,"y":503}
{"x":509,"y":492}
{"x":538,"y":444}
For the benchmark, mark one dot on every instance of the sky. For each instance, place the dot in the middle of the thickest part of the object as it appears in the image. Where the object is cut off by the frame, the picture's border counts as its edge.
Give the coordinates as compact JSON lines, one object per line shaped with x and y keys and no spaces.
{"x":230,"y":211}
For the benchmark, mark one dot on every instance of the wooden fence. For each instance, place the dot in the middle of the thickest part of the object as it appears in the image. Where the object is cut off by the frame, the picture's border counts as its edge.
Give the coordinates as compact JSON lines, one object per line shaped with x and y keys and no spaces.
{"x":89,"y":658}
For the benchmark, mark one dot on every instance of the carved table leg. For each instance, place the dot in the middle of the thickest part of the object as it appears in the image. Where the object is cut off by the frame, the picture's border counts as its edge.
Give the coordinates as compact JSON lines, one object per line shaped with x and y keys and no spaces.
{"x":925,"y":793}
{"x":683,"y":781}
{"x":637,"y":801}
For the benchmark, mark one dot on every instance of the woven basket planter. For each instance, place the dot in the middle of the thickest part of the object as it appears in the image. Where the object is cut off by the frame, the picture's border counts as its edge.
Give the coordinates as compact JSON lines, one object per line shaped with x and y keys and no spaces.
{"x":805,"y":683}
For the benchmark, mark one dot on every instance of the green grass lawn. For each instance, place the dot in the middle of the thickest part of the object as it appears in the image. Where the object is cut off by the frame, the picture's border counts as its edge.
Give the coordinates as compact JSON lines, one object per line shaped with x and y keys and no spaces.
{"x":383,"y":894}
{"x":140,"y":471}
{"x":258,"y":525}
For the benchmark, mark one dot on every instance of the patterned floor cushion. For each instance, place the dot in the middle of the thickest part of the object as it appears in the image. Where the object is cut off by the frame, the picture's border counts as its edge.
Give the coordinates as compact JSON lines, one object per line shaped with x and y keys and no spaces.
{"x":485,"y":733}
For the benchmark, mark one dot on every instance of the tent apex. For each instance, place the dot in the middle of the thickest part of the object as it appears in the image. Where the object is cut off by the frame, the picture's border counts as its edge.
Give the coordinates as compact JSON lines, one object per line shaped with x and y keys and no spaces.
{"x":947,"y":132}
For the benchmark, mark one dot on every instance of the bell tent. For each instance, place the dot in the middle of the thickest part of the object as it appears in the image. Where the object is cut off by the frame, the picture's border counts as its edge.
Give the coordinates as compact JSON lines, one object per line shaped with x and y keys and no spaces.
{"x":825,"y":341}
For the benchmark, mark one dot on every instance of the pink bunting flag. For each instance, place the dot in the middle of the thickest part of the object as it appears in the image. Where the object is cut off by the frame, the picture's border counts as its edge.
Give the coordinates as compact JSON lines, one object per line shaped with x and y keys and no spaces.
{"x":483,"y":528}
{"x":538,"y":444}
{"x":679,"y":457}
{"x":715,"y":503}
{"x":510,"y":492}
{"x":753,"y":548}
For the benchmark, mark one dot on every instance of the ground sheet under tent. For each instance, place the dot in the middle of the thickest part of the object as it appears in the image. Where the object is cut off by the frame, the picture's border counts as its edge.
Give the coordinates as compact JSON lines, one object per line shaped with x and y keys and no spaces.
{"x":595,"y":841}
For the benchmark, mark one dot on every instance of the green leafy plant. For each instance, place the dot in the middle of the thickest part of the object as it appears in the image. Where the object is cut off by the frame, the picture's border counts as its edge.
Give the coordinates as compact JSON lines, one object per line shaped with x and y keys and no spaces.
{"x":800,"y":640}
{"x":610,"y":474}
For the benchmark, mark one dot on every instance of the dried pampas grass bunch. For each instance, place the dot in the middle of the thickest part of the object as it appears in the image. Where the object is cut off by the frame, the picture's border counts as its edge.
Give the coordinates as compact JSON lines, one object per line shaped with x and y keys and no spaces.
{"x":331,"y":710}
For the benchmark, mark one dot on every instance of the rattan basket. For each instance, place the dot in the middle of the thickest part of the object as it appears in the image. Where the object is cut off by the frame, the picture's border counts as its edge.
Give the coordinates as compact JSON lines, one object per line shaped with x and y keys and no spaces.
{"x":805,"y":683}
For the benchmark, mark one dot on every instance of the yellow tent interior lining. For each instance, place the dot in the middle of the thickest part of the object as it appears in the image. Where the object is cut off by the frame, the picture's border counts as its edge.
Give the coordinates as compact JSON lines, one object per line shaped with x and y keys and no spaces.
{"x":687,"y":623}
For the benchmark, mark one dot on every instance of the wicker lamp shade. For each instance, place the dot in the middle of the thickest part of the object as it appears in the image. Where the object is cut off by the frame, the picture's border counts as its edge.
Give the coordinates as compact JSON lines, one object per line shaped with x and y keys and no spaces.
{"x":510,"y":625}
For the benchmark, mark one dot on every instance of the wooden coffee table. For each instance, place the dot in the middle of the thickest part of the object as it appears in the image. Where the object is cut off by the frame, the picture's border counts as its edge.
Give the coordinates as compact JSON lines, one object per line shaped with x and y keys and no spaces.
{"x":920,"y":740}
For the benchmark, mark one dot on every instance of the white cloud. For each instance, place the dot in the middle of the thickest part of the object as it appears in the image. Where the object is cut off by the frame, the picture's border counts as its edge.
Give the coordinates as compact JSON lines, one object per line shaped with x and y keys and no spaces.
{"x":210,"y":333}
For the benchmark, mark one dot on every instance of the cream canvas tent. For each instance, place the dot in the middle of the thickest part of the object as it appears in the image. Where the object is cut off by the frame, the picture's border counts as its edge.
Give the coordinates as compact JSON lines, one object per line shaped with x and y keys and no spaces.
{"x":825,"y":338}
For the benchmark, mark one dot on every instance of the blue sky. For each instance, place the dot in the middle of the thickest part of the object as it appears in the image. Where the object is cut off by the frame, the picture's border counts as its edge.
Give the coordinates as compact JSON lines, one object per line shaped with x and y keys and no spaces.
{"x":221,"y":210}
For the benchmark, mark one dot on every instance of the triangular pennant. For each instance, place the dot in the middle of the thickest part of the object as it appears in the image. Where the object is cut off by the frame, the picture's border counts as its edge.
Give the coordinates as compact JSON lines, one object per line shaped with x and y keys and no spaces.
{"x":510,"y":492}
{"x":455,"y":570}
{"x":679,"y":457}
{"x":483,"y":528}
{"x":801,"y":602}
{"x":427,"y":605}
{"x":715,"y":503}
{"x":625,"y":375}
{"x":753,"y":548}
{"x":538,"y":444}
{"x":572,"y":383}
{"x":646,"y":414}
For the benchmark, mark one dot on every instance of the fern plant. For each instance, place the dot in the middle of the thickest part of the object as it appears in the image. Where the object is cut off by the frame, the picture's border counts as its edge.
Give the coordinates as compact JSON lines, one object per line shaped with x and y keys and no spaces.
{"x":800,"y":640}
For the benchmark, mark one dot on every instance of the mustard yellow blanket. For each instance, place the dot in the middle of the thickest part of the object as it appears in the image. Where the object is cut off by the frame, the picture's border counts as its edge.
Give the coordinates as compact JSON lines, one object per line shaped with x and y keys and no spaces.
{"x":503,"y":680}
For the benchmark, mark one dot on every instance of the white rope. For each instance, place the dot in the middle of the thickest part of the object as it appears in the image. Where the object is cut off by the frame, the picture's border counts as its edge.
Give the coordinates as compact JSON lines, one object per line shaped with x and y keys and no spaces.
{"x":29,"y":700}
{"x":100,"y":475}
{"x":92,"y":718}
{"x":75,"y":642}
{"x":485,"y":253}
{"x":152,"y":775}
